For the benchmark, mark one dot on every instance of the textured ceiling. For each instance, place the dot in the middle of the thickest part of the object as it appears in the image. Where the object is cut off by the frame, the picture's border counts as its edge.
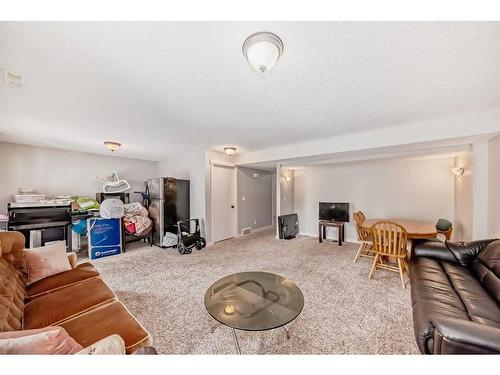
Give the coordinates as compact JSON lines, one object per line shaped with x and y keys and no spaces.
{"x":164,"y":87}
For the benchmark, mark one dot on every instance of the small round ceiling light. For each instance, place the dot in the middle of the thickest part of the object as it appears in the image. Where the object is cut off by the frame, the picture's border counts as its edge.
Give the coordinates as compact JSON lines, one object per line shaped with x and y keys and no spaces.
{"x":230,"y":150}
{"x":112,"y":146}
{"x":262,"y":50}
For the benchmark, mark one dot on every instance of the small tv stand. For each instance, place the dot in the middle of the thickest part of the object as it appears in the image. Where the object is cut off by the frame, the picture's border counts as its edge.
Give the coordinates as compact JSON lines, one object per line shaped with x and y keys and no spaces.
{"x":322,"y":224}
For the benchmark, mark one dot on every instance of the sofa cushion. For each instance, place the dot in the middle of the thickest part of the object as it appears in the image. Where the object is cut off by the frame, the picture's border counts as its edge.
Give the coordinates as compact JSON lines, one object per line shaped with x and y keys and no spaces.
{"x":64,"y":303}
{"x":431,"y":285}
{"x":480,"y":307}
{"x":48,"y":340}
{"x":82,"y":272}
{"x":486,"y":268}
{"x":110,"y":318}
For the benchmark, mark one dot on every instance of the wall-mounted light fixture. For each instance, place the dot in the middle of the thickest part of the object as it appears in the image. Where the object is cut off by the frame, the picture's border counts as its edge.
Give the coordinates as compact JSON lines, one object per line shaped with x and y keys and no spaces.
{"x":13,"y":79}
{"x":458,"y":172}
{"x":112,"y":146}
{"x":288,"y":179}
{"x":230,"y":150}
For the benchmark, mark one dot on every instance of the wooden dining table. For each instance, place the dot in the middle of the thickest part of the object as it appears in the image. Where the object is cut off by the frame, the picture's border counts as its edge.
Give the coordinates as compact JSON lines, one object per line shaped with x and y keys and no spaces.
{"x":414,"y":229}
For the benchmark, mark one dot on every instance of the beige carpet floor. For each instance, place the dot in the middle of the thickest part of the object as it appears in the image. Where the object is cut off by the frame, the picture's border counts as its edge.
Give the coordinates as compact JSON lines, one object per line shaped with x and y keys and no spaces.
{"x":344,"y":312}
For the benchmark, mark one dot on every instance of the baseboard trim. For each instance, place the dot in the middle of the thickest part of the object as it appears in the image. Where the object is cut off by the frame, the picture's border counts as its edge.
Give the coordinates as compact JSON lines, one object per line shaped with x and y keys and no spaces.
{"x":255,"y":231}
{"x":315,"y":235}
{"x":239,"y":235}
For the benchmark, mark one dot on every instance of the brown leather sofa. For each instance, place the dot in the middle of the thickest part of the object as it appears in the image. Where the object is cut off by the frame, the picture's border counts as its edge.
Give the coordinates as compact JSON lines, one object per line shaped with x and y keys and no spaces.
{"x":455,"y":291}
{"x":77,"y":300}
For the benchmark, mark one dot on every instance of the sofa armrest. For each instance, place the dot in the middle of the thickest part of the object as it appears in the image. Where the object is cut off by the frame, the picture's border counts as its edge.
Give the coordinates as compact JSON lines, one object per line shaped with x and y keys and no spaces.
{"x":112,"y":344}
{"x":72,"y":259}
{"x":433,"y":249}
{"x":462,"y":253}
{"x":456,"y":336}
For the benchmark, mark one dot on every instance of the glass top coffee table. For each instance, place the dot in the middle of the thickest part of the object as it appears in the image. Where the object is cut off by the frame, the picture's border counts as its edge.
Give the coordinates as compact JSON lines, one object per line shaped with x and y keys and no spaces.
{"x":254,"y":301}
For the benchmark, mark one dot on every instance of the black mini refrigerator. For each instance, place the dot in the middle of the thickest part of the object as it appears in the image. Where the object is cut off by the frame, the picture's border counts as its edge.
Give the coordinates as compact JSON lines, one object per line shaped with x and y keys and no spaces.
{"x":169,"y":199}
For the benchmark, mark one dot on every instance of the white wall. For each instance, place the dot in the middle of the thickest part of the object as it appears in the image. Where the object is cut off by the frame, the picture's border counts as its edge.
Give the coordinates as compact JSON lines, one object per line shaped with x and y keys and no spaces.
{"x":494,"y":189}
{"x":411,"y":189}
{"x":59,"y":172}
{"x":481,"y":186}
{"x":255,"y":186}
{"x":273,"y":197}
{"x":287,"y":191}
{"x":463,"y":198}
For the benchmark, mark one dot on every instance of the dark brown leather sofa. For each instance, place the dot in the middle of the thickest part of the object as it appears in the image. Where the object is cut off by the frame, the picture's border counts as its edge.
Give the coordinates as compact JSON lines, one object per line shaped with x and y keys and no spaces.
{"x":455,"y":292}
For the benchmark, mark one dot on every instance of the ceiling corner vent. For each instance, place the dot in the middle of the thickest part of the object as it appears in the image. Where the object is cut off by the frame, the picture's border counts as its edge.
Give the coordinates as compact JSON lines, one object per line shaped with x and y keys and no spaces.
{"x":12,"y":78}
{"x":246,"y":231}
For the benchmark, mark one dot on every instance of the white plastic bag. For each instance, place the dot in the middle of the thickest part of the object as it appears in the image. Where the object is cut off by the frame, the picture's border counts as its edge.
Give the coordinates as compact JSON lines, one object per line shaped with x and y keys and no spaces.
{"x":169,"y":240}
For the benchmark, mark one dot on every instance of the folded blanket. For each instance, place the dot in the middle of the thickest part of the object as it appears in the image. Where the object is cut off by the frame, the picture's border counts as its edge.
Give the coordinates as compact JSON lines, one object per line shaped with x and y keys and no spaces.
{"x":132,"y":209}
{"x":136,"y":219}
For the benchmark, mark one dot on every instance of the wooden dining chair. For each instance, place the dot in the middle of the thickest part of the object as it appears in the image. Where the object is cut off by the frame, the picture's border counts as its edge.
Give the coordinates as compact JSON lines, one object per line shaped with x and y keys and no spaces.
{"x":364,"y":238}
{"x":362,"y":216}
{"x":444,"y":227}
{"x":389,"y":241}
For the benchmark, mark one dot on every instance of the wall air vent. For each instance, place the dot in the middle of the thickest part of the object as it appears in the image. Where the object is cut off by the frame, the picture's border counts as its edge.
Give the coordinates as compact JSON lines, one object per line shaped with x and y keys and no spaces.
{"x":245,"y":231}
{"x":12,"y":78}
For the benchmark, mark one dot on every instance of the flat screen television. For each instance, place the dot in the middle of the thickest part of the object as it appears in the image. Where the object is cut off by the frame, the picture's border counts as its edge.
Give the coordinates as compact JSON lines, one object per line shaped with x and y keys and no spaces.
{"x":288,"y":226}
{"x":334,"y":211}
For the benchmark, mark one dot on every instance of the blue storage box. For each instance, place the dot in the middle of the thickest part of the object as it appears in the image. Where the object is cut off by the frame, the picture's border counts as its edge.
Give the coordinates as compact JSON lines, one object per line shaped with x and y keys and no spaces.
{"x":105,"y":237}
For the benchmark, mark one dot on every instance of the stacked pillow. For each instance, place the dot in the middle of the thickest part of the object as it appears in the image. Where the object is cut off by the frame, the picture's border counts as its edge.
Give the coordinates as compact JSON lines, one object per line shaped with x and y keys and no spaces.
{"x":46,"y":261}
{"x":48,"y":340}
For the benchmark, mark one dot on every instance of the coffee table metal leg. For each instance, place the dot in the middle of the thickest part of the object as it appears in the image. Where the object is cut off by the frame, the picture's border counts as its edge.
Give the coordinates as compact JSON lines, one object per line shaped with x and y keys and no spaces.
{"x":287,"y":332}
{"x":236,"y":343}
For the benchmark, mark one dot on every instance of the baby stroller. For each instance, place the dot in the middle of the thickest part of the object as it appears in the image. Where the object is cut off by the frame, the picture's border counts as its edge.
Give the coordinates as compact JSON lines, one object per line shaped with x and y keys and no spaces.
{"x":189,"y":238}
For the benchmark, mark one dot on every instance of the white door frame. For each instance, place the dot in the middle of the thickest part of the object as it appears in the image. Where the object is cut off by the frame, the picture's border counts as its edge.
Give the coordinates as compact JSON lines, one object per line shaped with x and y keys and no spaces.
{"x":278,"y":198}
{"x":274,"y":218}
{"x":235,"y":196}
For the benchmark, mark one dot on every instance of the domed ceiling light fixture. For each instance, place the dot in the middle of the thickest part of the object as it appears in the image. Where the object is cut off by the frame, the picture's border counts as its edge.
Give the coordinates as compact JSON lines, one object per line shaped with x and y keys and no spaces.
{"x":112,"y":146}
{"x":230,"y":150}
{"x":262,"y":50}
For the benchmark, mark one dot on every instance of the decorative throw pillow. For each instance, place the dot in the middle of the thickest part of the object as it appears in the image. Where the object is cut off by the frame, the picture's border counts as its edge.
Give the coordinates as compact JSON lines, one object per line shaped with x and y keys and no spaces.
{"x":112,"y":344}
{"x":48,"y":340}
{"x":46,"y":261}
